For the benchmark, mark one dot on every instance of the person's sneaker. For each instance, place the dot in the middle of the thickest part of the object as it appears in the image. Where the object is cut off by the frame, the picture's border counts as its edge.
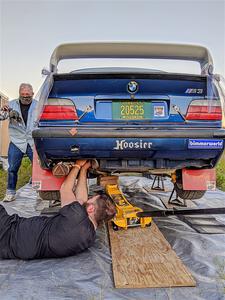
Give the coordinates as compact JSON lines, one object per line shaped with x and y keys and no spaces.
{"x":9,"y":198}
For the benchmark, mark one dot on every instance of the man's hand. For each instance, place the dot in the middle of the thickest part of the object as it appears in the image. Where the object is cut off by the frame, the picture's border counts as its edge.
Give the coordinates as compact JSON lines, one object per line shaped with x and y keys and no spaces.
{"x":87,"y":165}
{"x":5,"y":108}
{"x":4,"y":112}
{"x":13,"y":114}
{"x":81,"y":162}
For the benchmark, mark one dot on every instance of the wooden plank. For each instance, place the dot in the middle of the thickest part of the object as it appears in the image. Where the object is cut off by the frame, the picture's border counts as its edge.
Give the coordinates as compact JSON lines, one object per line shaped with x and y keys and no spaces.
{"x":142,"y":258}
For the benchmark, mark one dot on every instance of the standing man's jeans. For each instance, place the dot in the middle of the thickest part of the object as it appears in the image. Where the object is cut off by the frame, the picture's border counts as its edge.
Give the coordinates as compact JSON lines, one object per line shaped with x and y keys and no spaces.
{"x":15,"y":156}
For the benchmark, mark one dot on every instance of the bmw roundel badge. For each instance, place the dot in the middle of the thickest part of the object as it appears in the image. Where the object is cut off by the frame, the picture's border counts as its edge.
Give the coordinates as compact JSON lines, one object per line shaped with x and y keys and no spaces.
{"x":132,"y":87}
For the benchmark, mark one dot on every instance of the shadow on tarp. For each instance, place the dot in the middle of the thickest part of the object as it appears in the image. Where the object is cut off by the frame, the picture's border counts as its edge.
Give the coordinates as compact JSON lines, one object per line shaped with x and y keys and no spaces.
{"x":88,"y":275}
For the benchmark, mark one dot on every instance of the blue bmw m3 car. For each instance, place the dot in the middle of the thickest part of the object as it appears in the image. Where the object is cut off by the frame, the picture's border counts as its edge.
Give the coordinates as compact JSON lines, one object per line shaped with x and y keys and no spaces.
{"x":133,"y":119}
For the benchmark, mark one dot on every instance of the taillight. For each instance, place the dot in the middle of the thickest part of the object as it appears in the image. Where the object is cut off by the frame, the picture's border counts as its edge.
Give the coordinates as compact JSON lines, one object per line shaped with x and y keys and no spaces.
{"x":204,"y":110}
{"x":59,"y":109}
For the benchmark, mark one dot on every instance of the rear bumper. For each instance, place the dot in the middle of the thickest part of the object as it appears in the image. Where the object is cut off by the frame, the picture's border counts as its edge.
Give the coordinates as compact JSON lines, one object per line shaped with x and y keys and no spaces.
{"x":138,"y":149}
{"x":96,"y":132}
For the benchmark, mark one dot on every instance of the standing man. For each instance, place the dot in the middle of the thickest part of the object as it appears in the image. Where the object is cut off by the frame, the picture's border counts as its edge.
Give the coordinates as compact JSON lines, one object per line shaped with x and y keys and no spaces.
{"x":21,"y":114}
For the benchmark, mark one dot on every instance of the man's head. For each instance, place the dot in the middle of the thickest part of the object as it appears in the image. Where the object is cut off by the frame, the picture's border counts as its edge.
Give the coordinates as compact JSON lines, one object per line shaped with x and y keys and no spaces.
{"x":26,"y":93}
{"x":100,"y":208}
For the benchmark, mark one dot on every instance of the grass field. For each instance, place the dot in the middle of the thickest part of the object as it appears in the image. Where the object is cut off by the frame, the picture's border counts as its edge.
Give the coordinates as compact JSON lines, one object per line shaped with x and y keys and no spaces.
{"x":25,"y":174}
{"x":220,"y":174}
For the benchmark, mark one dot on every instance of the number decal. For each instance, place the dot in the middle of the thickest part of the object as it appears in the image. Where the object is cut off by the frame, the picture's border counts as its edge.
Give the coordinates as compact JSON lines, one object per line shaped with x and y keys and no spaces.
{"x":132,"y":110}
{"x":122,"y":110}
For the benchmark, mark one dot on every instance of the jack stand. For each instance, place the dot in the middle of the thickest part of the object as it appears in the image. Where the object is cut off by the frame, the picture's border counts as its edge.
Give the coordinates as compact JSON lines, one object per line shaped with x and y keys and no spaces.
{"x":52,"y":209}
{"x":54,"y":203}
{"x":176,"y":200}
{"x":159,"y":179}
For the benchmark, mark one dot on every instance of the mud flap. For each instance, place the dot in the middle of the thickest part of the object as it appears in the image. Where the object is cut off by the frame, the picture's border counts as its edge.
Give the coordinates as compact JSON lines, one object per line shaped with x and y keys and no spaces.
{"x":43,"y":180}
{"x":199,"y":180}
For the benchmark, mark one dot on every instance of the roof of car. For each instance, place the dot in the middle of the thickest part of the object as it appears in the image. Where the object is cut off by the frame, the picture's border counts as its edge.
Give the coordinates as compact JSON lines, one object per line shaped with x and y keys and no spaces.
{"x":133,"y":50}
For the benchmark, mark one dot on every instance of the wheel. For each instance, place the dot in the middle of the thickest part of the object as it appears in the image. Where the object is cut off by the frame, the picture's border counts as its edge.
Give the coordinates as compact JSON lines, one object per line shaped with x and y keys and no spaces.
{"x":49,"y":195}
{"x":187,"y":194}
{"x":115,"y":227}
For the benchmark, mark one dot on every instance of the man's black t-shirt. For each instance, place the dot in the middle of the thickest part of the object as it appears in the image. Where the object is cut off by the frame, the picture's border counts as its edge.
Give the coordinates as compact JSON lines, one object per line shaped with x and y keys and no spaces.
{"x":24,"y":111}
{"x":65,"y":234}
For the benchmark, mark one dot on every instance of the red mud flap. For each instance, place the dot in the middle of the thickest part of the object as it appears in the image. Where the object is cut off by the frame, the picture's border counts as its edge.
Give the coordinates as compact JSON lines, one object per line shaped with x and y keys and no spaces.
{"x":199,"y":180}
{"x":43,"y":180}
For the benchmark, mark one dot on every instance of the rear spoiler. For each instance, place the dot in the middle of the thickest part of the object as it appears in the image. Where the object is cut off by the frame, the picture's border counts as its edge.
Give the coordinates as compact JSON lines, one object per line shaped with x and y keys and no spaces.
{"x":133,"y":50}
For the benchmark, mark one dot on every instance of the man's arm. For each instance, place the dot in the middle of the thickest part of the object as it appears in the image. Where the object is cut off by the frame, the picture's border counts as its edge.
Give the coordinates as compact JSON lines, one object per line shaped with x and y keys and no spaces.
{"x":81,"y":191}
{"x":66,"y":191}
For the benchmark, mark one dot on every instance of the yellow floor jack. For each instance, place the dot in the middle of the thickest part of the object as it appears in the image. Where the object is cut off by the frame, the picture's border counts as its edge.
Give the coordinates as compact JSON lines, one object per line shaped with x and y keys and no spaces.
{"x":126,"y":215}
{"x":130,"y":216}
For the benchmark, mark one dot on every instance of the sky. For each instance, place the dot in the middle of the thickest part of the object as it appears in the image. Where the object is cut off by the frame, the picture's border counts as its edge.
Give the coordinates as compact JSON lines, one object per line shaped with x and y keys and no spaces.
{"x":30,"y":30}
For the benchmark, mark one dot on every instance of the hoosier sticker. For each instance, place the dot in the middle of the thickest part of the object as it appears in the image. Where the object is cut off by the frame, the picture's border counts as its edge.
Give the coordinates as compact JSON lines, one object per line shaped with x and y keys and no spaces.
{"x":124,"y":144}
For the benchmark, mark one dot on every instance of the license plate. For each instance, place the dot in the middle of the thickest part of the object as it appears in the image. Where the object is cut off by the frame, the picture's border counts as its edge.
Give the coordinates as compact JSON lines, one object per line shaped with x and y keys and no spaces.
{"x":125,"y":110}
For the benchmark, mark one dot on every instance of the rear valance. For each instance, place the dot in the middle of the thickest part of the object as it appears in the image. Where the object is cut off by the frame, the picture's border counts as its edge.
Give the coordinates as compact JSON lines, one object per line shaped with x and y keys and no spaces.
{"x":94,"y":132}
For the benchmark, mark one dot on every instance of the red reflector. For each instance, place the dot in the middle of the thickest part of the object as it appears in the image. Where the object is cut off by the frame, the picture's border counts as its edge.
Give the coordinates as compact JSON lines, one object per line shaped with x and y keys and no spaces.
{"x":58,"y":112}
{"x":196,"y":112}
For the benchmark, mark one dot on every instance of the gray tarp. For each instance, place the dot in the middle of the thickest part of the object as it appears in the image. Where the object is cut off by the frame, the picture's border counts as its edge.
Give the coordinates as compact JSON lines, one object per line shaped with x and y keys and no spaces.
{"x":89,"y":274}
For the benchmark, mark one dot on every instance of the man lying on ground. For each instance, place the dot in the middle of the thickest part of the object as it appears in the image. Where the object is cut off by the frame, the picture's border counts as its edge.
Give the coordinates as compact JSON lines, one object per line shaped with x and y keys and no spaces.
{"x":67,"y":233}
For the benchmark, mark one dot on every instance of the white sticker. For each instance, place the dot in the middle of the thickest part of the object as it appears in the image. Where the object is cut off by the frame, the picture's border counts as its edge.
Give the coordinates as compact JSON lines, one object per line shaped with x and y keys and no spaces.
{"x":211,"y":185}
{"x":36,"y":185}
{"x":159,"y":111}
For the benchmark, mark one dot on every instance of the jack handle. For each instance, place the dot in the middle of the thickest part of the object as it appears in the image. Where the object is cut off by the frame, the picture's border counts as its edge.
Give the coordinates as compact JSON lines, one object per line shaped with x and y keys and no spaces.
{"x":174,"y":212}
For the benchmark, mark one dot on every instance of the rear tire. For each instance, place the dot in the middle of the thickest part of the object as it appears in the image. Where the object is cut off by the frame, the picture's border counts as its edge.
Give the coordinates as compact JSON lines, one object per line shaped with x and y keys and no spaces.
{"x":187,"y":194}
{"x":114,"y":226}
{"x":50,"y":195}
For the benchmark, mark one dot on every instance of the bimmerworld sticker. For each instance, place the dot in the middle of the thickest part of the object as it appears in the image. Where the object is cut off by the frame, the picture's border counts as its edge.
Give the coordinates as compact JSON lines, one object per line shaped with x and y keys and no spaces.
{"x":205,"y":144}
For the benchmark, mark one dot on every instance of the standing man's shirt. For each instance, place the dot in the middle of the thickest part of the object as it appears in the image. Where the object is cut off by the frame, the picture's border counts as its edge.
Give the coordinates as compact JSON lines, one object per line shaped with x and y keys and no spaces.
{"x":65,"y":234}
{"x":21,"y":133}
{"x":24,"y":111}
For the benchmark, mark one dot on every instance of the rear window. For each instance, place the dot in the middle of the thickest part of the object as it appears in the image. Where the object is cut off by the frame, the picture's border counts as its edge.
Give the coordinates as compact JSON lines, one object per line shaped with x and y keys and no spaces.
{"x":148,"y":65}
